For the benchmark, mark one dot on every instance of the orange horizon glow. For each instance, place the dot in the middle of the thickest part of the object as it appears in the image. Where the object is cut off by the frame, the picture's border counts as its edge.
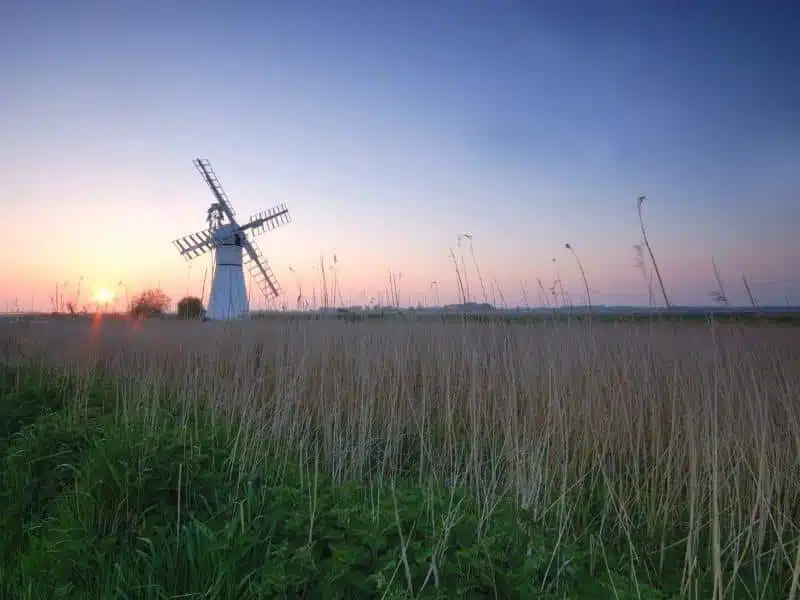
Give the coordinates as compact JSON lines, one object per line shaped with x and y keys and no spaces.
{"x":103,"y":296}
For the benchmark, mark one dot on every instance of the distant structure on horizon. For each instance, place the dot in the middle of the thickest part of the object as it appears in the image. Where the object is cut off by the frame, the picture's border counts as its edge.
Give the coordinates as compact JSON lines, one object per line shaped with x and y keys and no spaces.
{"x":229,"y":241}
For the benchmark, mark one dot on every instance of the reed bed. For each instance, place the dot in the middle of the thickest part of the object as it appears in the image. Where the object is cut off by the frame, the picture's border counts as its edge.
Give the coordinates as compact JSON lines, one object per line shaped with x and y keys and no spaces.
{"x":678,"y":443}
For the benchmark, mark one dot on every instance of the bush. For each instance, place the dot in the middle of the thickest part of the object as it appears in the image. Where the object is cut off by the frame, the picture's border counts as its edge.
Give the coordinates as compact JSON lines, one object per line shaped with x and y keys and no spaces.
{"x":150,"y":303}
{"x":190,"y":307}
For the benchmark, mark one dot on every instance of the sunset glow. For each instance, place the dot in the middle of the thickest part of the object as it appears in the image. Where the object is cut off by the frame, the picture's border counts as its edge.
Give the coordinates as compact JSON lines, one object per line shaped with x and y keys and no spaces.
{"x":103,"y":296}
{"x":388,"y":133}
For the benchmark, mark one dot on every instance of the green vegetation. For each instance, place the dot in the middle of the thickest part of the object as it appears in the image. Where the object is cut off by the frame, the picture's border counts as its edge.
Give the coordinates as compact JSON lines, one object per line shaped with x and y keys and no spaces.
{"x":97,"y":504}
{"x":124,"y":476}
{"x":190,"y":307}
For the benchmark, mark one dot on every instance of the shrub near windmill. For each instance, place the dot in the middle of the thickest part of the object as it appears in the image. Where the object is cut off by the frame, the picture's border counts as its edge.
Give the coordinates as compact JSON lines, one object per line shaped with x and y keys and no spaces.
{"x":229,"y":240}
{"x":190,"y":307}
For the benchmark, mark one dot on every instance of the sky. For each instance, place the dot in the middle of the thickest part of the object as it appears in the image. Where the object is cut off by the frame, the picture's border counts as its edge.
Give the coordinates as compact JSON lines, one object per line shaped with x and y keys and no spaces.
{"x":388,"y":129}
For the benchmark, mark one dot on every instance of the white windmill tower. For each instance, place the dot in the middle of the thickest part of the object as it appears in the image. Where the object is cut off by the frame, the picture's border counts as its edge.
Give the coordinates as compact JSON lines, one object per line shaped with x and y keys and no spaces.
{"x":228,"y":299}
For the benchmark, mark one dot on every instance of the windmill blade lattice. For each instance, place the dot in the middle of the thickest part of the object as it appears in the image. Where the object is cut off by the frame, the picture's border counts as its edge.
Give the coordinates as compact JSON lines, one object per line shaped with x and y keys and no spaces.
{"x":194,"y":245}
{"x":270,"y":219}
{"x":203,"y":165}
{"x":261,"y":272}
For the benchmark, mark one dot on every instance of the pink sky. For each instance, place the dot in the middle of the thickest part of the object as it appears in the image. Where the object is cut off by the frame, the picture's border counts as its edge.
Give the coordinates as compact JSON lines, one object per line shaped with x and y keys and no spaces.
{"x":387,"y":135}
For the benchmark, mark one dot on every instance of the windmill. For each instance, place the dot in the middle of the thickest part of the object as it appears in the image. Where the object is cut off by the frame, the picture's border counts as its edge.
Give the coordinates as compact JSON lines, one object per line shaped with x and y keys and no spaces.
{"x":230,"y":241}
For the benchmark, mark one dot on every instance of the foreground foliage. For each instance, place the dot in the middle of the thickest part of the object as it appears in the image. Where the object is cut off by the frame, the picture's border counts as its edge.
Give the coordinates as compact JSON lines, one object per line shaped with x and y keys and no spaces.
{"x":181,"y":459}
{"x":93,"y":506}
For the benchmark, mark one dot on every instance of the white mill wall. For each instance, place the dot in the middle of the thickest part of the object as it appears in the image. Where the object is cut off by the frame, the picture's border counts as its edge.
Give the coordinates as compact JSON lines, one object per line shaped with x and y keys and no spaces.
{"x":228,"y":298}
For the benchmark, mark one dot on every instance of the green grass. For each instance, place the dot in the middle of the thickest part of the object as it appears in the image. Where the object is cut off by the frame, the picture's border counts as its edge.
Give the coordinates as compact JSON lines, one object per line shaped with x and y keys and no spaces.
{"x":99,"y":500}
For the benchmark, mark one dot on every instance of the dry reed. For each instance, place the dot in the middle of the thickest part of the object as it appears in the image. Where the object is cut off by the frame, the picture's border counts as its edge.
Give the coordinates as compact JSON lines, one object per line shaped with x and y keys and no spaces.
{"x":682,"y":430}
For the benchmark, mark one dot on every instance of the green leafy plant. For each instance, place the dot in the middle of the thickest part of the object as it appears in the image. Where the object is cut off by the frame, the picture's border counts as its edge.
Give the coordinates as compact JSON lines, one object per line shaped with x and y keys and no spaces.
{"x":190,"y":307}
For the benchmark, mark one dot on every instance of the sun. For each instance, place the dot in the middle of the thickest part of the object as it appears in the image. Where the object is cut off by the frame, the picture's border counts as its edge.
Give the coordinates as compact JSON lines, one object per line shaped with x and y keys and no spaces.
{"x":103,"y":296}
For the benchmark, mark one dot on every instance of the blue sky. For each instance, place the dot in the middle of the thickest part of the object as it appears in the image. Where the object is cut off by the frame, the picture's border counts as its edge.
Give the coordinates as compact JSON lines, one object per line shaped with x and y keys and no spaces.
{"x":390,"y":128}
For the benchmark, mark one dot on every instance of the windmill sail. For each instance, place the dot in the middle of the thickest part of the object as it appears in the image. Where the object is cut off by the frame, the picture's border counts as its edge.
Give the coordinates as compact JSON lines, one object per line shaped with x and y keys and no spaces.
{"x":192,"y":246}
{"x":260,"y":271}
{"x":204,"y":166}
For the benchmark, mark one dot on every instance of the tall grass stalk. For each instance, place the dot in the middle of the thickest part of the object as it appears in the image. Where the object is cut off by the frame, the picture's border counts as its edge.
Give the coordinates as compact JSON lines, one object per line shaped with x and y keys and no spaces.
{"x":468,"y":236}
{"x":324,"y":281}
{"x":462,"y":294}
{"x":721,"y":295}
{"x":464,"y":271}
{"x":639,"y":203}
{"x":558,"y":286}
{"x":569,"y":247}
{"x":752,"y":299}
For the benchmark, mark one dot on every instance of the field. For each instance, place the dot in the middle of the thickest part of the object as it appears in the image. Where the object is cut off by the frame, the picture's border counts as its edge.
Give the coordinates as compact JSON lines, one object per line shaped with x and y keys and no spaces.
{"x":384,"y":458}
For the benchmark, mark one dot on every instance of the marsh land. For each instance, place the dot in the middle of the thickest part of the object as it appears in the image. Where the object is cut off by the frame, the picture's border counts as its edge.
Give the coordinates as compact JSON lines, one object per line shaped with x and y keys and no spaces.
{"x":388,"y":459}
